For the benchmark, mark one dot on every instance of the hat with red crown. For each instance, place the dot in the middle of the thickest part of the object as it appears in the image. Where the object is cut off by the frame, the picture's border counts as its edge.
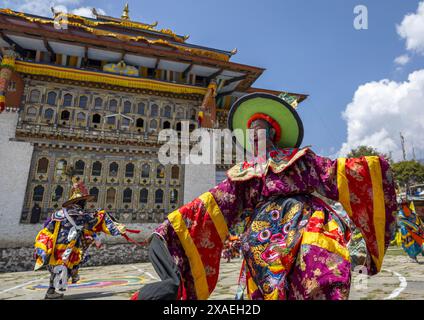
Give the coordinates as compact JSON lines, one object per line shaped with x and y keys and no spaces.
{"x":78,"y":193}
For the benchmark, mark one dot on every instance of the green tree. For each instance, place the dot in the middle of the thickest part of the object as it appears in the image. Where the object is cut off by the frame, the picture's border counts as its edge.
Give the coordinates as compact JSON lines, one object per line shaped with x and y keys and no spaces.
{"x":408,"y":172}
{"x":363,"y":151}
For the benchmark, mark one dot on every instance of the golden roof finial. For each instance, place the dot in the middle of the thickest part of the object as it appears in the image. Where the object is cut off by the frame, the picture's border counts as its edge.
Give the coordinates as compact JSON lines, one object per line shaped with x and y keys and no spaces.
{"x":125,"y":12}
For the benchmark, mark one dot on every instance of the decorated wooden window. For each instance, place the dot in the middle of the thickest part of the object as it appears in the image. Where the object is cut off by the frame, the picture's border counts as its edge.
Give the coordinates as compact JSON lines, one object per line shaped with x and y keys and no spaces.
{"x":96,"y":118}
{"x":127,"y":196}
{"x":61,"y":167}
{"x":139,"y":123}
{"x":140,"y":108}
{"x":125,"y":122}
{"x":83,"y":101}
{"x":144,"y":195}
{"x":167,"y":112}
{"x":58,"y":192}
{"x":159,"y":196}
{"x":173,"y":196}
{"x":94,"y":192}
{"x":81,"y":116}
{"x":67,"y":100}
{"x":153,"y":124}
{"x":145,"y":171}
{"x":65,"y":115}
{"x":129,"y":170}
{"x":111,"y":120}
{"x":127,"y":107}
{"x":154,"y":110}
{"x":113,"y":104}
{"x":35,"y":96}
{"x":51,"y":98}
{"x":175,"y":172}
{"x":79,"y":167}
{"x":98,"y":103}
{"x":113,"y":169}
{"x":48,"y":114}
{"x":166,"y":125}
{"x":160,"y":172}
{"x":110,"y":195}
{"x":31,"y":111}
{"x":43,"y":165}
{"x":38,"y":194}
{"x":180,"y":113}
{"x":96,"y":169}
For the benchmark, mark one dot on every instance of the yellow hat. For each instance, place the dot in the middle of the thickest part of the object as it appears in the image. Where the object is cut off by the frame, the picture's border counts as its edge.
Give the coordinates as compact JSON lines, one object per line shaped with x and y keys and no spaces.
{"x":78,"y":192}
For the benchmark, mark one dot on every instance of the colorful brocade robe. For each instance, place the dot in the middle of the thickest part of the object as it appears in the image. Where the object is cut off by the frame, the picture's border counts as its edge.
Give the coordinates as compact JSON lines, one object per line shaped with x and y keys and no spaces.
{"x":411,"y":229}
{"x":52,"y":241}
{"x":296,"y":245}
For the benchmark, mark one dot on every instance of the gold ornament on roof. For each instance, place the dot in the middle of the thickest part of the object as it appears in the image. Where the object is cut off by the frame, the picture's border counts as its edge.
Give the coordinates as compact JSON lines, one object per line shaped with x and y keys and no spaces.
{"x":125,"y":13}
{"x":121,"y":68}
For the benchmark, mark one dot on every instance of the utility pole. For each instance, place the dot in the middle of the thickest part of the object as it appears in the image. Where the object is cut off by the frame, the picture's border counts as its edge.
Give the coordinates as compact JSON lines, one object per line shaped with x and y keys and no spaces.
{"x":402,"y":141}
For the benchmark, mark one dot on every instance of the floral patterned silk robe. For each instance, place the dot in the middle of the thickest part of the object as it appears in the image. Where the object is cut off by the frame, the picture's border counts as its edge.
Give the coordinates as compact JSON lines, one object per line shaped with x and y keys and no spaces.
{"x":296,"y":245}
{"x":412,"y":231}
{"x":52,"y":241}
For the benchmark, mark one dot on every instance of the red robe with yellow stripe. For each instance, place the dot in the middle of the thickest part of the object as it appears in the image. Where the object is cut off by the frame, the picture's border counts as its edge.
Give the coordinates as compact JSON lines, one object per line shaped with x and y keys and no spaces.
{"x":195,"y":233}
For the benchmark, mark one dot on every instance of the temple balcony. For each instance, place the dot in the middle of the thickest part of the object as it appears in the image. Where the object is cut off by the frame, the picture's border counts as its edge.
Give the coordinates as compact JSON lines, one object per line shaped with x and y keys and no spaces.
{"x":120,"y":75}
{"x":106,"y":134}
{"x":109,"y":62}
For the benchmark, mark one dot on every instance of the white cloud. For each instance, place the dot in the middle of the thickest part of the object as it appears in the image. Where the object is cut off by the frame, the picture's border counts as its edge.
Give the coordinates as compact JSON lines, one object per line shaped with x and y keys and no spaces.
{"x":402,"y":60}
{"x":43,"y":7}
{"x":381,"y":110}
{"x":412,"y":29}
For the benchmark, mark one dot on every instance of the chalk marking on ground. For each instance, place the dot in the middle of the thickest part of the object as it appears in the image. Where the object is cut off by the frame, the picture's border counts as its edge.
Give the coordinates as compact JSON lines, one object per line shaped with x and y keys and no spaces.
{"x":22,"y":285}
{"x":402,"y":286}
{"x":151,"y":276}
{"x":141,"y":271}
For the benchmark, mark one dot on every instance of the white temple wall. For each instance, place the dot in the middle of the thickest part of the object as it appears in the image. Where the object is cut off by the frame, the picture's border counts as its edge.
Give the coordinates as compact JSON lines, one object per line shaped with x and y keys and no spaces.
{"x":15,"y":160}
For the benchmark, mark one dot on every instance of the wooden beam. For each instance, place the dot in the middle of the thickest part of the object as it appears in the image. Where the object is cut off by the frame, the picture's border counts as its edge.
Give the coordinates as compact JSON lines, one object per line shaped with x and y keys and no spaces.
{"x":17,"y":47}
{"x":214,"y":75}
{"x":223,"y":94}
{"x":48,"y":47}
{"x":227,"y":82}
{"x":84,"y":62}
{"x":157,"y":64}
{"x":187,"y":70}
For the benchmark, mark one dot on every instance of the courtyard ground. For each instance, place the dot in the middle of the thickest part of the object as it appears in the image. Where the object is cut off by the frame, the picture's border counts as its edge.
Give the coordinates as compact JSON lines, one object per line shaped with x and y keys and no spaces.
{"x":400,"y":278}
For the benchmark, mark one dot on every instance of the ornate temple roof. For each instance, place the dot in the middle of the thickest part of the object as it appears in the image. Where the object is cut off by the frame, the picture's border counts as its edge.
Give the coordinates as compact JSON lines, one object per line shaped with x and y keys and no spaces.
{"x":138,"y":44}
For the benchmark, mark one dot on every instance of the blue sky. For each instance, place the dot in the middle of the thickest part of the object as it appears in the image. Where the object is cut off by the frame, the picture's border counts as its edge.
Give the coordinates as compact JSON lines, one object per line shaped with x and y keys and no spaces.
{"x":306,"y":46}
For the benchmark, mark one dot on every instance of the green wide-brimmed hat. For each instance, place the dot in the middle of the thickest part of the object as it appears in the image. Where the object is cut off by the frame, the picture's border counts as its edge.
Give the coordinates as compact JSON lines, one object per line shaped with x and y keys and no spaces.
{"x":282,"y":116}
